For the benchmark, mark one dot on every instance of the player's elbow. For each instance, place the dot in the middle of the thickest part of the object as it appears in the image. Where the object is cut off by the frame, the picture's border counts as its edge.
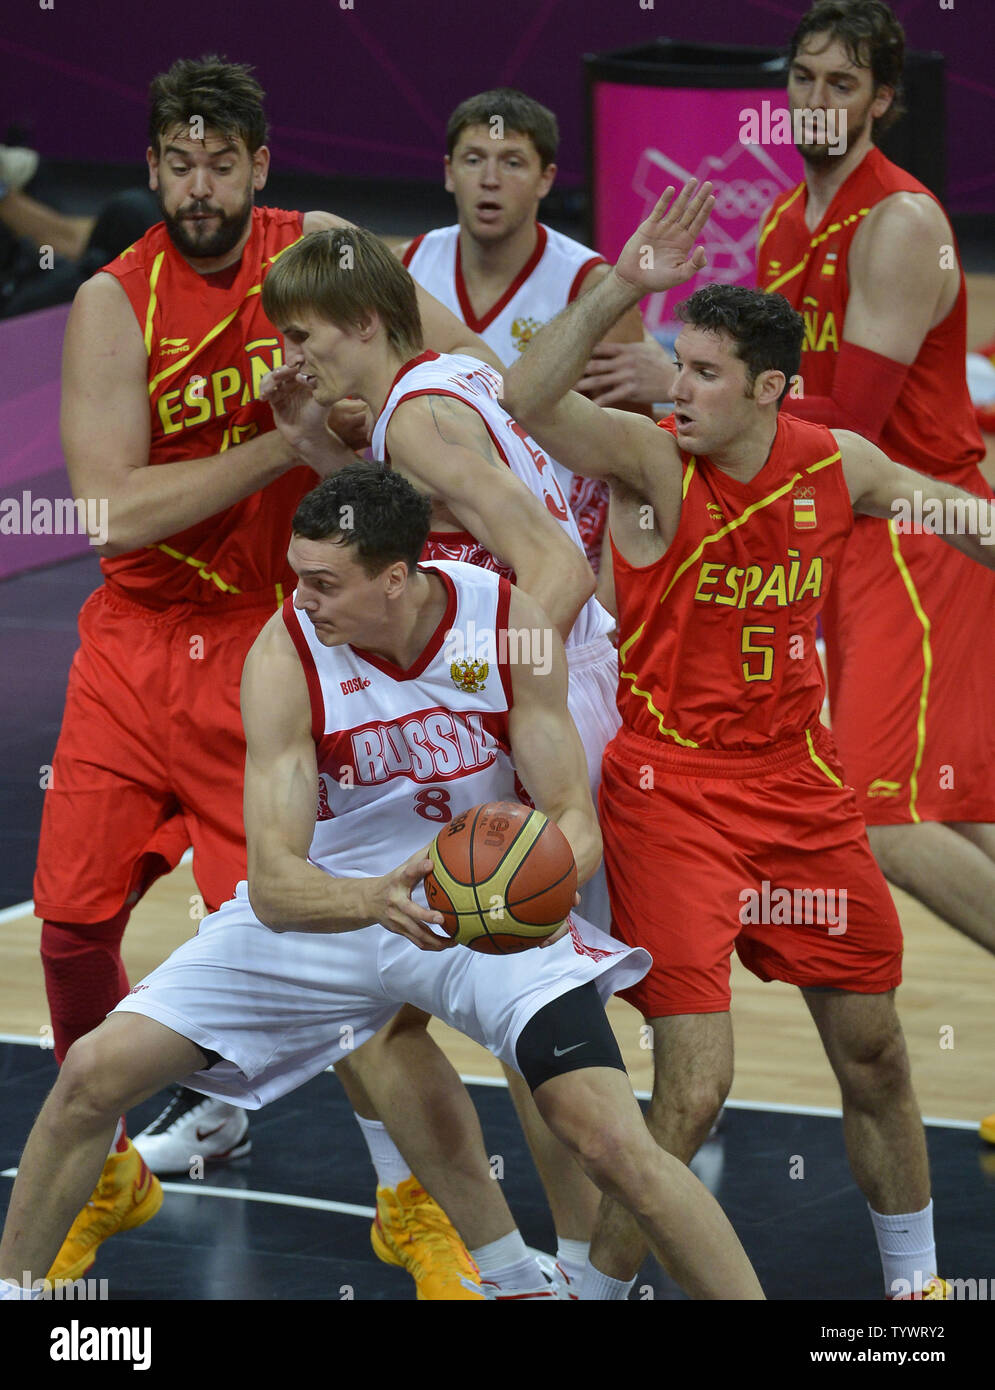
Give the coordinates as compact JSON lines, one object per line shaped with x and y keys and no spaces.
{"x":266,"y":899}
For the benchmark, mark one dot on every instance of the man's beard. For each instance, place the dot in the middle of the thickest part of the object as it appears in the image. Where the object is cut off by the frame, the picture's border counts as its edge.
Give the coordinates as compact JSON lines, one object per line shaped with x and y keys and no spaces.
{"x":824,"y":153}
{"x":198,"y":240}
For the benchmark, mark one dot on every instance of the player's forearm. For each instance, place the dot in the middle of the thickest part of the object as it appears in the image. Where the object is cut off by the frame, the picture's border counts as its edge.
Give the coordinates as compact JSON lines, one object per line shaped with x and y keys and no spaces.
{"x":149,"y":504}
{"x":963,"y":520}
{"x":293,"y":895}
{"x":558,"y":354}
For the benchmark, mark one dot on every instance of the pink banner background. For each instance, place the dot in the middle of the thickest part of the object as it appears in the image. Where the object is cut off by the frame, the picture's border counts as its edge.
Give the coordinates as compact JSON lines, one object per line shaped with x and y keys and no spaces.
{"x":648,"y":137}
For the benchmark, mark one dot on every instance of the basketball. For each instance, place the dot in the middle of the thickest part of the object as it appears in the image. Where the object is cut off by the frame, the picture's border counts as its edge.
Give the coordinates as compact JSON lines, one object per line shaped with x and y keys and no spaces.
{"x":504,"y":877}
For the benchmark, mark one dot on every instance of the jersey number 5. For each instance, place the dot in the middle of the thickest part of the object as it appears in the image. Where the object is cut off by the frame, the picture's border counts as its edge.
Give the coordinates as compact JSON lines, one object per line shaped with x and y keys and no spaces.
{"x":763,"y":670}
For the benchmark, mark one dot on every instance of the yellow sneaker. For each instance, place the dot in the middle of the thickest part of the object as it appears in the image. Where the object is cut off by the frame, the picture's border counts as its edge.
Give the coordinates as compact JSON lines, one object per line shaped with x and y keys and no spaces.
{"x":412,"y":1231}
{"x":127,"y":1195}
{"x":987,"y":1129}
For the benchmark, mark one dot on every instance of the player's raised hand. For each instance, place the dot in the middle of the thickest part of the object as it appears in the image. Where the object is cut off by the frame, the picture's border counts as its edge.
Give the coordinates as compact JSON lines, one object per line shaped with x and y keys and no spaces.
{"x":661,"y":253}
{"x":394,"y":908}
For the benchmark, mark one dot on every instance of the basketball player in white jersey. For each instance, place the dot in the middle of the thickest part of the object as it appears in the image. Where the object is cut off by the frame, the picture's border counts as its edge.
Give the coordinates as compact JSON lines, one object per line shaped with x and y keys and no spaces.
{"x":438,"y":421}
{"x":325,"y":941}
{"x":499,"y":269}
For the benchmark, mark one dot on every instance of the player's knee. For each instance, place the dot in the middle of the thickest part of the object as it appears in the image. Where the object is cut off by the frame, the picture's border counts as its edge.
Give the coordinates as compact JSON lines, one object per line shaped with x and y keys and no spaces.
{"x":896,"y":849}
{"x":876,"y":1067}
{"x":693,"y":1106}
{"x":93,"y":1087}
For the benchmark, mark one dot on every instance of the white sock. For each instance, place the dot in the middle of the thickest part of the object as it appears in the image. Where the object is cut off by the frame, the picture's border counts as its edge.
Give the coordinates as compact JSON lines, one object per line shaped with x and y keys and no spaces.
{"x":387,"y":1160}
{"x":907,"y":1248}
{"x":596,"y":1287}
{"x":572,"y":1256}
{"x":117,"y":1135}
{"x":507,"y":1264}
{"x":10,"y":1292}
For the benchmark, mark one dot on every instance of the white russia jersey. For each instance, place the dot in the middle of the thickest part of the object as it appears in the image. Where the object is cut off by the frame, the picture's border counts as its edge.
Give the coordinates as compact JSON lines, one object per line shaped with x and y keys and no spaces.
{"x":400,"y":753}
{"x":546,"y":284}
{"x":478,"y":385}
{"x":549,"y":281}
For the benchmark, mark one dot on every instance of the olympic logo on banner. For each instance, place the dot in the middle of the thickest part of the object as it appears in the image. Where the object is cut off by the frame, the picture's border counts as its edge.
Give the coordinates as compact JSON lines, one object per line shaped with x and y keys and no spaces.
{"x":747,"y":179}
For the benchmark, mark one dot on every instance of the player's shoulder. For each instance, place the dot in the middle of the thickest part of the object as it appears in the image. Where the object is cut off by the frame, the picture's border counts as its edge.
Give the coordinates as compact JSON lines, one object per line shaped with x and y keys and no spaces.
{"x":273,"y":639}
{"x":905,"y":215}
{"x":425,"y":243}
{"x":102,"y":315}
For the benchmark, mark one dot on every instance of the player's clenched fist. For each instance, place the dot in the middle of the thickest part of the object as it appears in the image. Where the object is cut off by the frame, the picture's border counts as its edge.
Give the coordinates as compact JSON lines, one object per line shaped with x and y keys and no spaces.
{"x":392,"y":906}
{"x":661,"y":253}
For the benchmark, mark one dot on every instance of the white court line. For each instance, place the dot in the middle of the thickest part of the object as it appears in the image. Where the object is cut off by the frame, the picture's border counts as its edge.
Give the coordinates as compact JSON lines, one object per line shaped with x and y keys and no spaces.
{"x":775,"y":1107}
{"x":280,"y":1199}
{"x":8,"y":914}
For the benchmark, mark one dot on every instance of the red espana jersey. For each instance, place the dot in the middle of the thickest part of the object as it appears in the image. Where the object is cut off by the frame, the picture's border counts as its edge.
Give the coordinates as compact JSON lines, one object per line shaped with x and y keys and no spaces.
{"x":209,"y":345}
{"x":717,"y":638}
{"x":932,"y":427}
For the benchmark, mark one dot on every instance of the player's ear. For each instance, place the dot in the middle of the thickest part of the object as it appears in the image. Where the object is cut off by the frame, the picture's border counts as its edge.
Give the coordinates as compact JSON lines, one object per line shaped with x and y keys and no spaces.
{"x":260,"y":168}
{"x":768,"y":387}
{"x":883,"y":98}
{"x":152,"y":159}
{"x":396,"y":579}
{"x":448,"y":166}
{"x":369,"y":326}
{"x":547,"y":179}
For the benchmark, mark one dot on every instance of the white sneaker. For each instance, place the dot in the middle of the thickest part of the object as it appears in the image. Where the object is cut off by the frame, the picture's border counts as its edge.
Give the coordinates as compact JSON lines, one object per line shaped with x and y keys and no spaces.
{"x":547,"y":1285}
{"x":17,"y":167}
{"x":193,"y":1126}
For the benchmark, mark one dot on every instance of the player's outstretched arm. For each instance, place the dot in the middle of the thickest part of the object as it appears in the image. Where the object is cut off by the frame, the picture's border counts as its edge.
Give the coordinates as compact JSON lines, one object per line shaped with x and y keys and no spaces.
{"x":545,"y":745}
{"x":661,"y":254}
{"x":445,"y":449}
{"x":106,"y":436}
{"x":281,"y":796}
{"x":915,"y":502}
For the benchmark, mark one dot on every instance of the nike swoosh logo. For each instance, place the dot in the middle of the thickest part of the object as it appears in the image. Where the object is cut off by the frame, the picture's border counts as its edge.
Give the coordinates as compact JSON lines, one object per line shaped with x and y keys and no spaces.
{"x":142,"y":1185}
{"x":203,"y":1134}
{"x":562,"y":1051}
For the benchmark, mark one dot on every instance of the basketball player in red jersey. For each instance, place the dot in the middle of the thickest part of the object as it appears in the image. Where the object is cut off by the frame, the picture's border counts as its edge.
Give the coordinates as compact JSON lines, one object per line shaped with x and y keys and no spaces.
{"x":164,"y":354}
{"x":501,"y":270}
{"x":867,"y":255}
{"x":725,"y":817}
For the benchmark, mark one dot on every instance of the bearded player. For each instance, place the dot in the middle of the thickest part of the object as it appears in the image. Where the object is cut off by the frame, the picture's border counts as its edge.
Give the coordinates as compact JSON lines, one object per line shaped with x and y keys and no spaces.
{"x":165,"y":351}
{"x":722,"y":779}
{"x":867,"y":254}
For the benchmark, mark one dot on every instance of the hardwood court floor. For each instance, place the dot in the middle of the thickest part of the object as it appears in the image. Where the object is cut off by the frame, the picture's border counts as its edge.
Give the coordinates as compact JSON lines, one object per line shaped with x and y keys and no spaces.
{"x":945,"y":1004}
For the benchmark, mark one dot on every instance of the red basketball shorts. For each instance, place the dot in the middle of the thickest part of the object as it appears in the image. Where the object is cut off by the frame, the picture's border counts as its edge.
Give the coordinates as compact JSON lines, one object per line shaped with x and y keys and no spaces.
{"x":151,"y":756}
{"x":768,"y":854}
{"x":910,"y":654}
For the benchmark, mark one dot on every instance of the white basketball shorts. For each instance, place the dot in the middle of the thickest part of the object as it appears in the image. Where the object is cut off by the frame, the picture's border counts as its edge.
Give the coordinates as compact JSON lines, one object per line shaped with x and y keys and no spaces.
{"x":280,"y":1007}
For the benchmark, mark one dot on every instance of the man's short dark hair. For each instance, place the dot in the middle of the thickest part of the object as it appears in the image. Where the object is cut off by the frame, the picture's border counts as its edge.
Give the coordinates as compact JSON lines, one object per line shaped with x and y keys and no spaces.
{"x":372,"y":508}
{"x":519,"y":115}
{"x":872,"y":37}
{"x":767,"y":332}
{"x":225,"y":96}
